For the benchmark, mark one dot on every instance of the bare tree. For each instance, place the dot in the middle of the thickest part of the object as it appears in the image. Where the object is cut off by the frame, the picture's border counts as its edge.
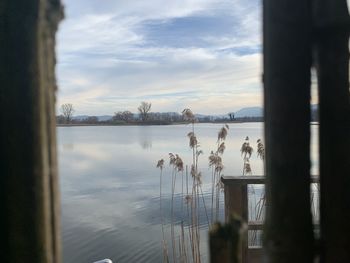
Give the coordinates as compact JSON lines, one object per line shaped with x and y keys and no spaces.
{"x":144,"y":109}
{"x":67,"y":111}
{"x":123,"y":116}
{"x":127,"y":115}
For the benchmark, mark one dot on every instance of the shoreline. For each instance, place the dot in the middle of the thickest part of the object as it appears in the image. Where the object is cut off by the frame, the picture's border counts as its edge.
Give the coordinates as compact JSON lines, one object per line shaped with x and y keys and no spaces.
{"x":144,"y":124}
{"x":155,"y":124}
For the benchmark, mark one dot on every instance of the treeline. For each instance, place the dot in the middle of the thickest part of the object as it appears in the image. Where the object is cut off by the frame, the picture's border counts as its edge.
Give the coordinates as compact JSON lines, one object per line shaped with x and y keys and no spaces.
{"x":127,"y":117}
{"x":153,"y":119}
{"x":146,"y":117}
{"x":88,"y":120}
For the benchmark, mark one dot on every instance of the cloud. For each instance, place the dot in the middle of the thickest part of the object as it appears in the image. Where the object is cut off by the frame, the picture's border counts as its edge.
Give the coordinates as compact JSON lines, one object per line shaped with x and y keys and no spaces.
{"x":114,"y":54}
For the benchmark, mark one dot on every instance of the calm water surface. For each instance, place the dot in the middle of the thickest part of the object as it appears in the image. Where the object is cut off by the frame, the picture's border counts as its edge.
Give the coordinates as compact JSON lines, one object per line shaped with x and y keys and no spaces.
{"x":110,"y":185}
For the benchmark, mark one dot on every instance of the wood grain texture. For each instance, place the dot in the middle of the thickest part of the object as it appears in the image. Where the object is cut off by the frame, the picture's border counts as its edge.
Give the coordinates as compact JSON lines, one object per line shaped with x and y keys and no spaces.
{"x":332,"y":24}
{"x":28,"y":183}
{"x":287,"y":46}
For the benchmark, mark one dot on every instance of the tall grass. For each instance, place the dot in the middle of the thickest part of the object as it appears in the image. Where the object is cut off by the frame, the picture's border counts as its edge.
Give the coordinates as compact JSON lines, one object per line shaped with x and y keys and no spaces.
{"x":215,"y":162}
{"x":160,"y":165}
{"x":196,"y":187}
{"x":185,"y":236}
{"x":186,"y":241}
{"x":256,"y":207}
{"x":178,"y":166}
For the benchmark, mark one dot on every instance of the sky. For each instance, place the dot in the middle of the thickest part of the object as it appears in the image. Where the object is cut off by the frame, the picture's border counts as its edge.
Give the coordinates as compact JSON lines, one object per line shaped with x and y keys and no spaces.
{"x":199,"y":54}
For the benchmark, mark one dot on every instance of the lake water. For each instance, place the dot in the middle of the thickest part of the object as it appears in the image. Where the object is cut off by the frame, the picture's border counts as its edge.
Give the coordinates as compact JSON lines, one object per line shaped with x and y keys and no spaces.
{"x":110,"y":185}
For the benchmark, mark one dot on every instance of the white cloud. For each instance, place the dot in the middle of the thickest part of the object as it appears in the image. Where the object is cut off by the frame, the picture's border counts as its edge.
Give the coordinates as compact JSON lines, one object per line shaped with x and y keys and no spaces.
{"x":106,"y":62}
{"x":205,"y":78}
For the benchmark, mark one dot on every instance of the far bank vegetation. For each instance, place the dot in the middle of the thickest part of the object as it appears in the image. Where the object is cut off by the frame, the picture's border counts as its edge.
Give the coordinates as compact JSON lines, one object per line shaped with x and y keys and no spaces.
{"x":143,"y":116}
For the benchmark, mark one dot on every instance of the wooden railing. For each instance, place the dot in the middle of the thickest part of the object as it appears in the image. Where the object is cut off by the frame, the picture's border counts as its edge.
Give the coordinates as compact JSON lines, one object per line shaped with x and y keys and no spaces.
{"x":236,"y":201}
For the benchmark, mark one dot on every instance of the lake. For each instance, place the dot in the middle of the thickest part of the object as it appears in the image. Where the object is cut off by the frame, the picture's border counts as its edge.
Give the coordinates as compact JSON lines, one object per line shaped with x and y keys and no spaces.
{"x":110,"y":185}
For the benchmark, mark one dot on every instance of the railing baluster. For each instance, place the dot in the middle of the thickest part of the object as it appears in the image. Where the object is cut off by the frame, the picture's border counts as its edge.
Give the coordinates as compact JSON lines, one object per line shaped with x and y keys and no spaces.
{"x":236,"y":201}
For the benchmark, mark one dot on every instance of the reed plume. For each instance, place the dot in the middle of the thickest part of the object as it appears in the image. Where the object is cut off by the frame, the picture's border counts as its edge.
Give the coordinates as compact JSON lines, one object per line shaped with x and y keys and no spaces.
{"x":246,"y":152}
{"x":261,"y":149}
{"x":215,"y":162}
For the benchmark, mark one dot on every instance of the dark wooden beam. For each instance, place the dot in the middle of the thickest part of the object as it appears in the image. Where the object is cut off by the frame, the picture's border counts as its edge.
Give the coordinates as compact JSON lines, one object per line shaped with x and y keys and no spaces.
{"x":29,"y":202}
{"x":332,"y":24}
{"x":253,"y":179}
{"x":243,"y":180}
{"x":287,"y":62}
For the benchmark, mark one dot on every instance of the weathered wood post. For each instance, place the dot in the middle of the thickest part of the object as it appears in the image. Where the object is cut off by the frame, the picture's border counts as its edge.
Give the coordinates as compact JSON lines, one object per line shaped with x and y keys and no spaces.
{"x":225,"y":241}
{"x":287,"y":62}
{"x":29,"y":201}
{"x":332,"y":24}
{"x":236,"y":202}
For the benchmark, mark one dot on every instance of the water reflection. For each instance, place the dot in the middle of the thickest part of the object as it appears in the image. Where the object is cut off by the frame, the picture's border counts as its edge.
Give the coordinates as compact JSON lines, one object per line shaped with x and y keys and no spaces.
{"x":145,"y":137}
{"x":146,"y":144}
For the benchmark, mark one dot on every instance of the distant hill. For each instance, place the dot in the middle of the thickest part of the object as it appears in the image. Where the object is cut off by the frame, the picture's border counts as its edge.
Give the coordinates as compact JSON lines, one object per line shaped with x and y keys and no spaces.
{"x":249,"y":112}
